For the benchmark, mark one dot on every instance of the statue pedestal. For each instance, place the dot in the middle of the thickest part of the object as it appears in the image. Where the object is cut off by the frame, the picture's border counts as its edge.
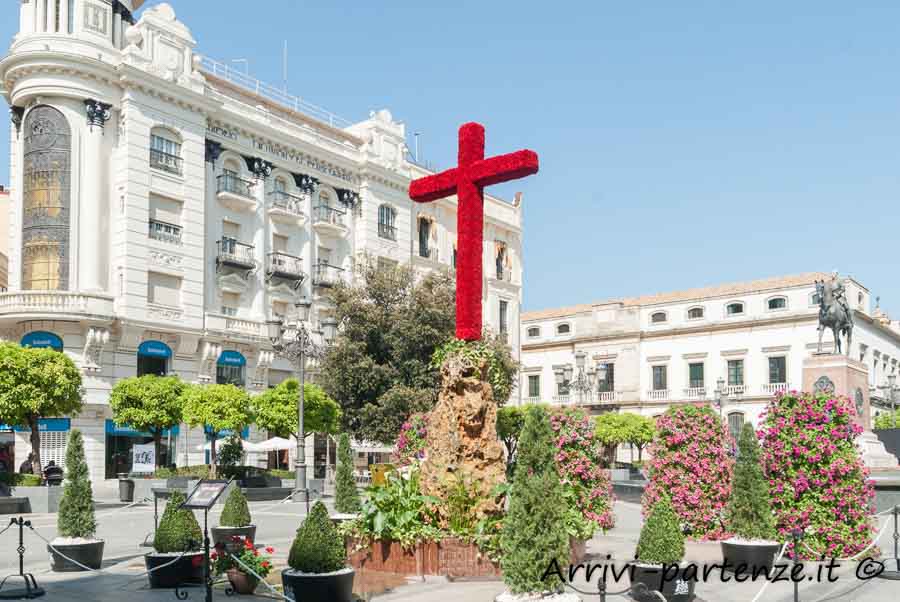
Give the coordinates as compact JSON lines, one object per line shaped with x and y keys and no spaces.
{"x":840,"y":375}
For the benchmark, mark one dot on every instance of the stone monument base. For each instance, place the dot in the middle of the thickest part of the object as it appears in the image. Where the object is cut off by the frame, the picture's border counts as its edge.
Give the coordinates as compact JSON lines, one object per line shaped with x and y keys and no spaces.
{"x":835,"y":374}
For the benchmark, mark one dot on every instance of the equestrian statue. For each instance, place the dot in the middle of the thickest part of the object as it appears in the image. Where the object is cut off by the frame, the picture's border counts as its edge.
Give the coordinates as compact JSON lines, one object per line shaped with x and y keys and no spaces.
{"x":834,"y":311}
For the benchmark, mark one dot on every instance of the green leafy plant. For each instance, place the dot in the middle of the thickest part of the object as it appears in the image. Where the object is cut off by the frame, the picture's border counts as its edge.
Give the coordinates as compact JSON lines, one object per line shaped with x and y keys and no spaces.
{"x":178,"y":529}
{"x":501,"y":367}
{"x":886,"y":420}
{"x":148,"y":403}
{"x":258,"y":562}
{"x":661,"y":540}
{"x":276,"y":410}
{"x":318,"y":547}
{"x":20,"y":480}
{"x":76,"y":508}
{"x":232,"y":451}
{"x":464,"y":497}
{"x":236,"y":512}
{"x":749,"y":513}
{"x":218,"y":408}
{"x":346,"y":496}
{"x":534,"y":533}
{"x":200,"y":471}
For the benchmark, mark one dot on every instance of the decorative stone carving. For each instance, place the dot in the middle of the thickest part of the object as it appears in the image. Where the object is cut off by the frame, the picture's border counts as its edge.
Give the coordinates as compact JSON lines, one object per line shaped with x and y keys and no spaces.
{"x":98,"y":113}
{"x":164,"y":314}
{"x":208,"y":358}
{"x":260,"y":168}
{"x":213,"y":151}
{"x":261,"y":374}
{"x":462,"y":438}
{"x":306,"y":184}
{"x":824,"y":385}
{"x":15,"y":115}
{"x":94,"y":342}
{"x":164,"y":259}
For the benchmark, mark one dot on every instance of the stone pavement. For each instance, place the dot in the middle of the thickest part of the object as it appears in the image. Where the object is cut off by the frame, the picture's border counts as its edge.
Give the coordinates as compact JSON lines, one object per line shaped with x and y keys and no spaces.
{"x":123,"y":574}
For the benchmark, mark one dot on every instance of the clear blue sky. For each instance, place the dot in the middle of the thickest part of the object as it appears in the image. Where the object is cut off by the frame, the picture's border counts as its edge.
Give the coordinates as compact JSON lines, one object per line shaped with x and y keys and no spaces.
{"x":681,"y":144}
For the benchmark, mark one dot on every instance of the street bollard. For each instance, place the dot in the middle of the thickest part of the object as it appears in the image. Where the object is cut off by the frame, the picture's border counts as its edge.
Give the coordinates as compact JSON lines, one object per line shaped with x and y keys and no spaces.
{"x":796,"y":535}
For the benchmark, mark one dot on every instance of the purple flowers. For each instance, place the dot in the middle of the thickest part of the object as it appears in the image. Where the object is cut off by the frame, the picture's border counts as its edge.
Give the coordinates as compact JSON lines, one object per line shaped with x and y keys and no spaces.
{"x":411,"y":442}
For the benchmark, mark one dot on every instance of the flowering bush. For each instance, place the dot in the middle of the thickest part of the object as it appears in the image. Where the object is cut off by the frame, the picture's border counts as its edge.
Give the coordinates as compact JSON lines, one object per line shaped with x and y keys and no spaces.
{"x":691,"y":464}
{"x":816,"y":477}
{"x":259,"y":563}
{"x":410,"y":446}
{"x":578,"y":457}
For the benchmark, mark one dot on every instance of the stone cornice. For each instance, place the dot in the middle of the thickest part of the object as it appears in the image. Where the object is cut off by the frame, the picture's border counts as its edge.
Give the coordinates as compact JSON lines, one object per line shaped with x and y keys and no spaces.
{"x":132,"y":77}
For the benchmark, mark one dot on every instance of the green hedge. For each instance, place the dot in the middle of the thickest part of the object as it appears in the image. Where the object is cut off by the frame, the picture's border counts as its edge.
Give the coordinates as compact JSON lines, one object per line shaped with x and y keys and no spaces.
{"x":20,"y":480}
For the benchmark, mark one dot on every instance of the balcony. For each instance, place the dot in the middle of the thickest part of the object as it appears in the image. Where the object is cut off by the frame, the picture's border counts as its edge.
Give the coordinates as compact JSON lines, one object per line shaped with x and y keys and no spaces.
{"x":735,"y":390}
{"x":386,"y":231}
{"x":658,"y":395}
{"x":286,"y":267}
{"x":607,"y":397}
{"x":234,"y":325}
{"x":773,"y":388}
{"x":429,"y":253}
{"x":162,"y":161}
{"x":165,"y":232}
{"x":503,"y":275}
{"x":235,"y":192}
{"x":327,"y":275}
{"x":329,"y":221}
{"x":50,"y":304}
{"x":233,"y":254}
{"x":532,"y":400}
{"x":286,"y":208}
{"x":562,"y":399}
{"x":695,"y":393}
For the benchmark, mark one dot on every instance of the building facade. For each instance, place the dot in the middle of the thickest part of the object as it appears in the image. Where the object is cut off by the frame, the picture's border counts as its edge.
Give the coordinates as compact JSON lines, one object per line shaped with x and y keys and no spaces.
{"x":4,"y":241}
{"x":164,"y":206}
{"x":647,"y":353}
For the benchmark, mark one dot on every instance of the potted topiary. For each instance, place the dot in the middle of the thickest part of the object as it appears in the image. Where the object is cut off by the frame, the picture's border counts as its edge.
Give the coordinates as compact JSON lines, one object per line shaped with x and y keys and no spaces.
{"x":76,"y":523}
{"x":661,"y":546}
{"x":178,"y":557}
{"x":234,"y":524}
{"x":749,"y":515}
{"x":346,"y":496}
{"x":318,"y":561}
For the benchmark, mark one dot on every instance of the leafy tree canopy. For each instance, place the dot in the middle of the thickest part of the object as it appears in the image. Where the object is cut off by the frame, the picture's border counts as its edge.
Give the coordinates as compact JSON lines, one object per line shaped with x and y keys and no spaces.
{"x":220,"y":407}
{"x":36,"y":383}
{"x":147,"y":403}
{"x":276,"y":409}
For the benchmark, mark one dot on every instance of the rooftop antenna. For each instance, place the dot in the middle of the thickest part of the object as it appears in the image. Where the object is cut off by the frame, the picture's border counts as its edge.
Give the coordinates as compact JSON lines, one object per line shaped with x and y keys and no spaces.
{"x":246,"y":65}
{"x":416,"y":138}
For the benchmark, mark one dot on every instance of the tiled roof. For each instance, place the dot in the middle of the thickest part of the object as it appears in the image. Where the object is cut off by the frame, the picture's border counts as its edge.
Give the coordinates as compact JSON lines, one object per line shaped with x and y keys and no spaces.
{"x":720,"y":290}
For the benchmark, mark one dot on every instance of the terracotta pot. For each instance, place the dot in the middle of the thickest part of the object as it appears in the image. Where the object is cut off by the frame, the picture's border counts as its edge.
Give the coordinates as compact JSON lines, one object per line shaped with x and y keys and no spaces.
{"x":241,"y":582}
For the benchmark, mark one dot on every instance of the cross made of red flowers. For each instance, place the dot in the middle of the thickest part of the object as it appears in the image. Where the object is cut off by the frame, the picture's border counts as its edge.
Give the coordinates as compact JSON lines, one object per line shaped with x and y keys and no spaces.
{"x":467,"y":180}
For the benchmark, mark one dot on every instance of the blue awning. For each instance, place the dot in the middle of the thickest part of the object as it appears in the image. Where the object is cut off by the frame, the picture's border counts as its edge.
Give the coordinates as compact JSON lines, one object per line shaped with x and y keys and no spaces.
{"x":45,"y":425}
{"x":226,"y":433}
{"x":232,"y":358}
{"x":155,"y":349}
{"x":126,"y":431}
{"x":40,"y":339}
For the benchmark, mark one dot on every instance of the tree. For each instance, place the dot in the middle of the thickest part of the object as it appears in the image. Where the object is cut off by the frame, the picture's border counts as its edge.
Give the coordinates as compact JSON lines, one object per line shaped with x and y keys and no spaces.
{"x":346,"y":496}
{"x":749,"y":512}
{"x":379,"y":367}
{"x":612,"y":429}
{"x":178,"y":529}
{"x":37,"y":383}
{"x":640,"y":429}
{"x":148,"y":403}
{"x":887,"y":420}
{"x":276,"y":410}
{"x":76,"y":508}
{"x":318,"y":547}
{"x":510,"y":420}
{"x":218,"y":408}
{"x":534,"y":534}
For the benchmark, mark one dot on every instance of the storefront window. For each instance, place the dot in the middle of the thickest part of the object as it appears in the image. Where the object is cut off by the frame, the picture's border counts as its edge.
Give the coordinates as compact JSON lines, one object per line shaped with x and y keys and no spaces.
{"x":120,"y":442}
{"x":230,"y":369}
{"x":153,"y":358}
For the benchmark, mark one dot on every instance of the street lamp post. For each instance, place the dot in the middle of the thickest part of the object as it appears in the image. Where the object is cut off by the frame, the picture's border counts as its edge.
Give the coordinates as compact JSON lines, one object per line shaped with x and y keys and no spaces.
{"x":891,"y":389}
{"x":721,"y":395}
{"x":296,"y":350}
{"x":584,"y":381}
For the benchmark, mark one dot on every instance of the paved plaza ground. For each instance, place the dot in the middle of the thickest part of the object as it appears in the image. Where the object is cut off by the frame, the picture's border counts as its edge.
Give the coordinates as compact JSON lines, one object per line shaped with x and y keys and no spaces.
{"x":123,"y":579}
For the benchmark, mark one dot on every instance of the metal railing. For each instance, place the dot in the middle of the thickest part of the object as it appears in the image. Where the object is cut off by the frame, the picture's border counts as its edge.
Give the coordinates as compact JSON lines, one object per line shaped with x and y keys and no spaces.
{"x":325,"y":274}
{"x":387,"y":231}
{"x":269,"y":92}
{"x":284,"y":265}
{"x":230,"y":251}
{"x":233,"y":184}
{"x":289,"y":203}
{"x":166,"y":162}
{"x":428,"y":253}
{"x":323,"y":214}
{"x":504,"y":274}
{"x":658,"y":394}
{"x":164,"y":231}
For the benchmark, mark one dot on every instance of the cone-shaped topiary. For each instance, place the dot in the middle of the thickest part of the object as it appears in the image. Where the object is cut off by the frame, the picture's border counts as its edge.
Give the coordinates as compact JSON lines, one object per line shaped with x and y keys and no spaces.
{"x":178,"y":529}
{"x":76,"y":508}
{"x":534,"y":533}
{"x":749,"y":513}
{"x":318,"y":547}
{"x":346,"y":497}
{"x":661,"y":540}
{"x":236,"y":512}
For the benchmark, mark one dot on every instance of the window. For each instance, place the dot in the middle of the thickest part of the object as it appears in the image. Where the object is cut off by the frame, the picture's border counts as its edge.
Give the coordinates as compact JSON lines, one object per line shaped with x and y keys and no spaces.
{"x":279,"y":243}
{"x":660,"y":380}
{"x":735,"y":424}
{"x":534,"y":385}
{"x":231,"y":230}
{"x":279,"y":310}
{"x":777,"y":303}
{"x":734,"y":309}
{"x":562,"y":389}
{"x":163,"y":289}
{"x":814,"y":299}
{"x":534,"y":332}
{"x":658,"y":317}
{"x":695,"y":375}
{"x":563,"y":329}
{"x":735,"y":373}
{"x":165,"y":220}
{"x":230,"y":303}
{"x":695,"y":313}
{"x":386,"y":217}
{"x":500,"y":260}
{"x":230,"y":375}
{"x":424,"y":237}
{"x":777,"y":370}
{"x":606,"y":377}
{"x":504,"y":311}
{"x":165,"y":153}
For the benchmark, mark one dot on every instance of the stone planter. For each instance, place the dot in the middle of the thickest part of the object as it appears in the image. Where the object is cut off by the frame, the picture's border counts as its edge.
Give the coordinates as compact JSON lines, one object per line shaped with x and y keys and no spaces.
{"x":241,"y":582}
{"x":753,"y":555}
{"x":327,"y":587}
{"x":41,"y":500}
{"x":650,"y":576}
{"x":187,"y":570}
{"x":223,"y":535}
{"x":89,"y":554}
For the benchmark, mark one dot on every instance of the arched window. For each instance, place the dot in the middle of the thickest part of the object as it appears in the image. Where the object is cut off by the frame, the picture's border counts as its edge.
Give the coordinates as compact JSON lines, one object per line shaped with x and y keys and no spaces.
{"x":165,"y":151}
{"x":500,"y":260}
{"x":658,"y":317}
{"x":735,"y":424}
{"x":563,"y":329}
{"x":534,"y":332}
{"x":734,"y":309}
{"x":46,"y":172}
{"x":386,"y":217}
{"x":777,"y":303}
{"x":695,"y":313}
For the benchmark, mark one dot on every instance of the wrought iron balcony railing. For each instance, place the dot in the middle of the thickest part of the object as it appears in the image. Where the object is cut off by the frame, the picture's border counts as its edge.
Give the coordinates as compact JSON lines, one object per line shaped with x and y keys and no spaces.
{"x":323,"y":214}
{"x":165,"y":232}
{"x":233,"y":253}
{"x":231,"y":183}
{"x":387,"y":231}
{"x":282,"y":265}
{"x":428,"y":253}
{"x":166,"y":162}
{"x":326,"y":275}
{"x":289,"y":203}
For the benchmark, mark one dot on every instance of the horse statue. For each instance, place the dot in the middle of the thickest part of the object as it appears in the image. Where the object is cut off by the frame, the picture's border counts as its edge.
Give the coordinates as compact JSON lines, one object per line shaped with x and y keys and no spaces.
{"x":834,"y":312}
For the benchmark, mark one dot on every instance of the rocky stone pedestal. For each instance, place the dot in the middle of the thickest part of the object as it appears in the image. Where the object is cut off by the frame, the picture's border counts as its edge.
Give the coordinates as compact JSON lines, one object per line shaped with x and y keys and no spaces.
{"x":840,"y":375}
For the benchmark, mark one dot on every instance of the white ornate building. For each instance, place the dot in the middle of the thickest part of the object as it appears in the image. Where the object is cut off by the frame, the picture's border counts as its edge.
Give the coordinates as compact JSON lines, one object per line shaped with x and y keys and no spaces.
{"x":164,"y":206}
{"x":648,"y":352}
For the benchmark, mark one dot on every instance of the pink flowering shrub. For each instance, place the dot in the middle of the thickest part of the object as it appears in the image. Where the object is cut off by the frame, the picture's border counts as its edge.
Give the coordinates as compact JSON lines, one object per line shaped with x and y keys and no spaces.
{"x":816,"y":477}
{"x":692,"y":465}
{"x":578,"y":457}
{"x":410,"y":444}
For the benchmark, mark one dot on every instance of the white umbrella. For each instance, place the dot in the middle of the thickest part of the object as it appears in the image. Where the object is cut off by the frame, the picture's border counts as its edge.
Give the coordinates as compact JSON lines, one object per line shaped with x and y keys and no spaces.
{"x":277,"y":444}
